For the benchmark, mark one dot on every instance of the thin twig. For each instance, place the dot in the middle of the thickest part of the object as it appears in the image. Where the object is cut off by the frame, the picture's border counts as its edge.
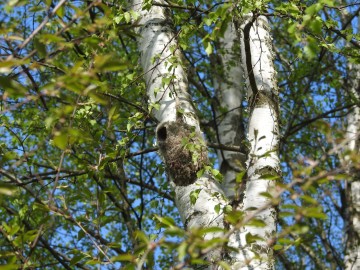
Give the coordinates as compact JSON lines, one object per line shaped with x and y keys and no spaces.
{"x":44,"y":22}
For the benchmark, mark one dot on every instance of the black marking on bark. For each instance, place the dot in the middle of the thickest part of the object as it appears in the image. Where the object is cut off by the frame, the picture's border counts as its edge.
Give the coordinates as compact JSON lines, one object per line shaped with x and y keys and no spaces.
{"x":249,"y":66}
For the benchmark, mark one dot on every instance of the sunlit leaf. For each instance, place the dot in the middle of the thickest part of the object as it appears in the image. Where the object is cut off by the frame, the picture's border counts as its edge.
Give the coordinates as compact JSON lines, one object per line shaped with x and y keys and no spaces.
{"x":7,"y":189}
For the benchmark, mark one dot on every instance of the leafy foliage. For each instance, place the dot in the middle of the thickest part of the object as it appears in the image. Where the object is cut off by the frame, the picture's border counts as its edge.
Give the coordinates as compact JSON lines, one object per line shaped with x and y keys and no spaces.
{"x":80,"y":182}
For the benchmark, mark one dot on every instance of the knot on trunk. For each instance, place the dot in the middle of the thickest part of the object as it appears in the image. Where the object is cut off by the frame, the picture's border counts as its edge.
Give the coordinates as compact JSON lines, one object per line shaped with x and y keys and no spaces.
{"x":183,"y":150}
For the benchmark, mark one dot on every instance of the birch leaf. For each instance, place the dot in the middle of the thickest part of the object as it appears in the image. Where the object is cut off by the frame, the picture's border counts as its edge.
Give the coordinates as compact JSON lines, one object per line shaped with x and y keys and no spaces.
{"x":7,"y":189}
{"x":209,"y":48}
{"x":194,"y":195}
{"x":182,"y":250}
{"x":127,"y":17}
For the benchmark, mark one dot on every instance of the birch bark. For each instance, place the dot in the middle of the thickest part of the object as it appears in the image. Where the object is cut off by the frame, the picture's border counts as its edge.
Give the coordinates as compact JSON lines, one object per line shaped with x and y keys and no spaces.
{"x":229,"y":86}
{"x":352,"y":243}
{"x":255,"y":242}
{"x":352,"y":187}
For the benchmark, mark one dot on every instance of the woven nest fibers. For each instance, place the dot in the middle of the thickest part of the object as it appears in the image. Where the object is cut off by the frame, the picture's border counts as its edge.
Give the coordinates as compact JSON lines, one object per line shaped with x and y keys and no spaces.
{"x":183,"y":151}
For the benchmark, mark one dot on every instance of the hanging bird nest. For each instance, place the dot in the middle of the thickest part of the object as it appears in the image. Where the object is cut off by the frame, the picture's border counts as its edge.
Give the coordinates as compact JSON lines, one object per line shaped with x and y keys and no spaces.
{"x":183,"y":150}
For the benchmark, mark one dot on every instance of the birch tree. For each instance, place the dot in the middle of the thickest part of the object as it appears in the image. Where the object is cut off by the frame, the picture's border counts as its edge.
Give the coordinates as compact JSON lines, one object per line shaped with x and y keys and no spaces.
{"x":229,"y":83}
{"x":263,"y":135}
{"x":352,"y":246}
{"x":157,"y":46}
{"x":351,"y":189}
{"x":178,"y":134}
{"x":352,"y":255}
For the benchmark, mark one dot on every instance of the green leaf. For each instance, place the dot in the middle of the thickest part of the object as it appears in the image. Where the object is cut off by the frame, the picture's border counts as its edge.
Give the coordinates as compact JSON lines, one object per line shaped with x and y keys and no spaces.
{"x":270,"y":177}
{"x":217,"y":208}
{"x":314,"y":212}
{"x":266,"y":195}
{"x":165,"y":221}
{"x":228,"y":208}
{"x":12,"y":88}
{"x":224,"y":265}
{"x":93,"y":262}
{"x":142,"y":237}
{"x":127,"y":17}
{"x":61,"y":140}
{"x":51,"y":38}
{"x":316,"y":25}
{"x":7,"y":189}
{"x":41,"y":207}
{"x":118,"y":19}
{"x":285,"y":241}
{"x":240,"y":176}
{"x":286,"y":214}
{"x":134,"y":14}
{"x":199,"y":261}
{"x":9,"y":267}
{"x":13,"y":229}
{"x":208,"y":48}
{"x":292,"y":28}
{"x":114,"y":245}
{"x":208,"y":21}
{"x":200,"y":173}
{"x":182,"y":250}
{"x":256,"y":223}
{"x":77,"y":258}
{"x":309,"y":199}
{"x":218,"y":176}
{"x":61,"y":11}
{"x":81,"y":234}
{"x":175,"y":231}
{"x":250,"y":238}
{"x":194,"y":195}
{"x":123,"y":258}
{"x":7,"y":65}
{"x":206,"y":230}
{"x":108,"y":63}
{"x":313,"y":9}
{"x":330,"y":3}
{"x":310,"y":51}
{"x":234,"y":217}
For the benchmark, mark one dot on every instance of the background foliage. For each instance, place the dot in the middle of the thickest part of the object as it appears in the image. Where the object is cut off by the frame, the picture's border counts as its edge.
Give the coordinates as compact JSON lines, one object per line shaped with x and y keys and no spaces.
{"x":81,"y":184}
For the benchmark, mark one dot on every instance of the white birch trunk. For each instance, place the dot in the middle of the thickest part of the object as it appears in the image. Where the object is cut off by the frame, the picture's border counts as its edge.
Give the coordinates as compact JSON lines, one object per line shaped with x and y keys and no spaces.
{"x":229,"y":85}
{"x":352,"y":248}
{"x":158,"y":48}
{"x":352,"y":187}
{"x":263,"y":134}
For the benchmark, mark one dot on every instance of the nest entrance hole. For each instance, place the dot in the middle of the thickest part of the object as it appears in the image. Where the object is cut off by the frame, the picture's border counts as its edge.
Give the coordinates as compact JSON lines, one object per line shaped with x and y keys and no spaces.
{"x":162,"y":133}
